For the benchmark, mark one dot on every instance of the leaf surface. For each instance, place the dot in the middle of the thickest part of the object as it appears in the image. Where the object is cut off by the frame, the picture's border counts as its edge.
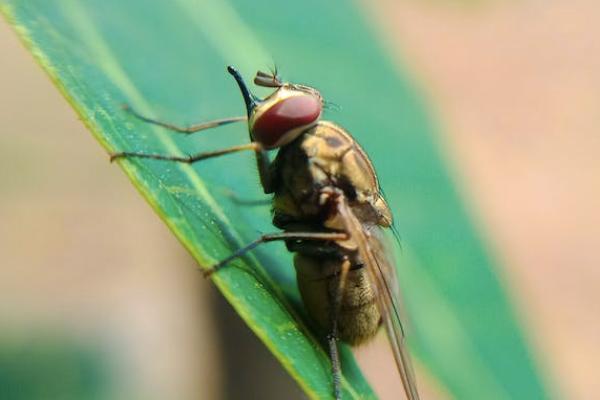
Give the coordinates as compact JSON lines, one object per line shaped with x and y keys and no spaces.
{"x":167,"y":60}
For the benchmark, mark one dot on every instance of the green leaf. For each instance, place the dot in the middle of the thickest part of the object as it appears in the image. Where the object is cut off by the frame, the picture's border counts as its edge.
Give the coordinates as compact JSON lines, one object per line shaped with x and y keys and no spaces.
{"x":167,"y":59}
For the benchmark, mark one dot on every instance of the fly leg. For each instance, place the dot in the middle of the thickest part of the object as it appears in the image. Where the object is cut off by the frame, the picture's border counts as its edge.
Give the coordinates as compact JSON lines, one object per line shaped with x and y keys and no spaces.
{"x":333,"y":337}
{"x":262,"y":159}
{"x":184,"y":129}
{"x":336,"y":370}
{"x":335,"y":236}
{"x":189,"y":159}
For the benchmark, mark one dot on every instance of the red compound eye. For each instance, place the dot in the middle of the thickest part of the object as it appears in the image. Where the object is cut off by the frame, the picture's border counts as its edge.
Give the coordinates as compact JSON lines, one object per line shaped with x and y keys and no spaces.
{"x":271,"y":127}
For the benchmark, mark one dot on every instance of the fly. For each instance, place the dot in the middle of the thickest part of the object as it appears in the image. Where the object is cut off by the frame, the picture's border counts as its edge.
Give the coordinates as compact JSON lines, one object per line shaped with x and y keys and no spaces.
{"x":329,"y":206}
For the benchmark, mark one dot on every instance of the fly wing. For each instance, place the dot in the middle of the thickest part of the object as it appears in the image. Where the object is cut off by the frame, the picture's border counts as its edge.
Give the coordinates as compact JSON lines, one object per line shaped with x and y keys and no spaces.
{"x":382,"y":275}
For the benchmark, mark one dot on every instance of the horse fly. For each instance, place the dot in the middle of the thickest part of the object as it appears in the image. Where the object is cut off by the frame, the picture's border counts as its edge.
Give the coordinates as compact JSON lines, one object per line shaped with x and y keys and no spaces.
{"x":327,"y":201}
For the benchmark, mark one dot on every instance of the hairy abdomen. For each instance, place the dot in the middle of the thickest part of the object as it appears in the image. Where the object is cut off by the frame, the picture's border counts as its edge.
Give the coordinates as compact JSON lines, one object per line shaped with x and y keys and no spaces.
{"x":318,"y":280}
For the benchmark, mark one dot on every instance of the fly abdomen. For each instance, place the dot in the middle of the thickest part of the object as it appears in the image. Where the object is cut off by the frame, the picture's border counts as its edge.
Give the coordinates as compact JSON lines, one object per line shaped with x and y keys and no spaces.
{"x":358,"y":317}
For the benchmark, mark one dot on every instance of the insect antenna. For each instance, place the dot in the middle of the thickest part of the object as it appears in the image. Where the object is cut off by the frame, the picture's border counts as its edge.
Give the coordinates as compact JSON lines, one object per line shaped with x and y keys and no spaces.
{"x":274,"y":71}
{"x":268,"y":79}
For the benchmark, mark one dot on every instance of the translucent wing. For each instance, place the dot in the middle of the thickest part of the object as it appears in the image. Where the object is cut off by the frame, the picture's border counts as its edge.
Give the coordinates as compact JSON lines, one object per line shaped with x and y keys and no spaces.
{"x":382,"y":275}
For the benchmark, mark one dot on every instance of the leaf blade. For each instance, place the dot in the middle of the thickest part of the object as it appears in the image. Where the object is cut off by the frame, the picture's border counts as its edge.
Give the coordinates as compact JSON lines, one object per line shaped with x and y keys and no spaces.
{"x":92,"y":76}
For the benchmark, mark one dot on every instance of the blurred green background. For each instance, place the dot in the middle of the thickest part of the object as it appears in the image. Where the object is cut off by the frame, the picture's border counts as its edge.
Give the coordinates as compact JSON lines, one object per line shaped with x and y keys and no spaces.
{"x":95,"y":297}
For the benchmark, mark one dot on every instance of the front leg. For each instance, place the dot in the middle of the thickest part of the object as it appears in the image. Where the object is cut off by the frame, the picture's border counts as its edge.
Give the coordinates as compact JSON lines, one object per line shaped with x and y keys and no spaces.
{"x":184,"y":129}
{"x":262,"y":159}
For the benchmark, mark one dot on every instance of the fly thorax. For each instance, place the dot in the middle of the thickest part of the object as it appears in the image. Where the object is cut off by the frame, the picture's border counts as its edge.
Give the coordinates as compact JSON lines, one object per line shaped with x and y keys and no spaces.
{"x":326,"y":156}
